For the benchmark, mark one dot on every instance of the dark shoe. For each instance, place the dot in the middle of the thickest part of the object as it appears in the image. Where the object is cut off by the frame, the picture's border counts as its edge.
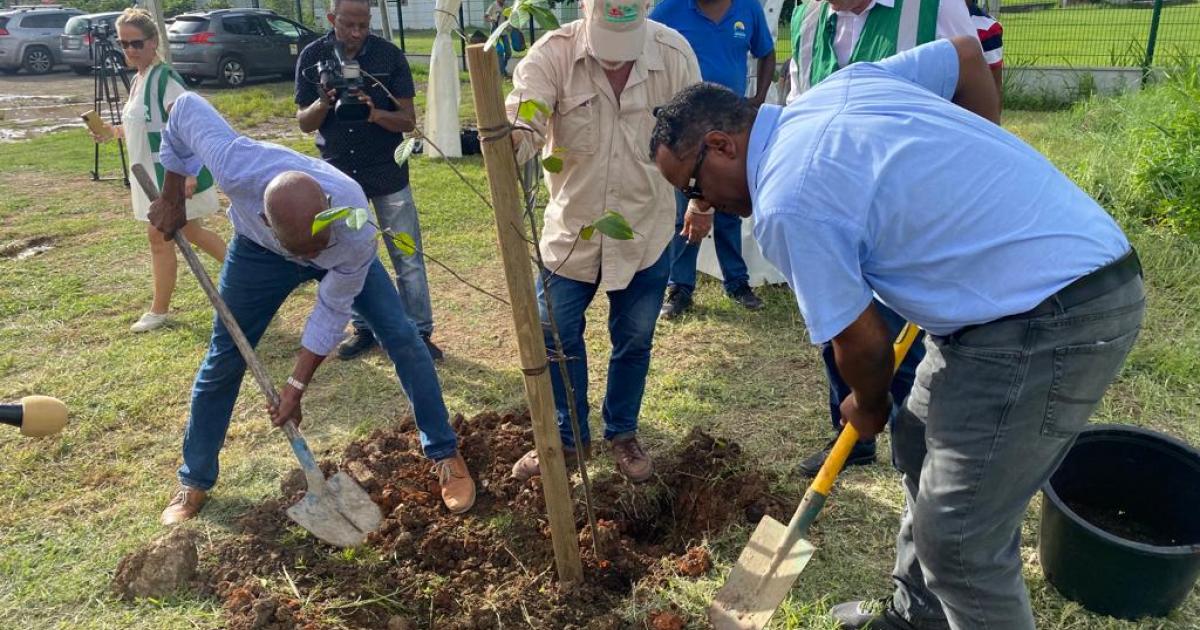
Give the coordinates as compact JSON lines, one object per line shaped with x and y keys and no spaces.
{"x":434,"y":351}
{"x":458,"y":488}
{"x":358,"y":343}
{"x":869,"y":615}
{"x":632,"y":461}
{"x":529,"y":466}
{"x":184,"y":506}
{"x":744,"y":295}
{"x":860,"y":455}
{"x":677,"y":303}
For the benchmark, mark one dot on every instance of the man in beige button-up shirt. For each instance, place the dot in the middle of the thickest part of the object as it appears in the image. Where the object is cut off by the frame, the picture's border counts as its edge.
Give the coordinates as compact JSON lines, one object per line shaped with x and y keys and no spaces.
{"x":602,"y":77}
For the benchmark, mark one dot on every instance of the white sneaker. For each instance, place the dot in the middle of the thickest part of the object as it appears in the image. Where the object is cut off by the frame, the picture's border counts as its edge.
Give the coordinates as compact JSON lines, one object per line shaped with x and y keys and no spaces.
{"x":148,"y":322}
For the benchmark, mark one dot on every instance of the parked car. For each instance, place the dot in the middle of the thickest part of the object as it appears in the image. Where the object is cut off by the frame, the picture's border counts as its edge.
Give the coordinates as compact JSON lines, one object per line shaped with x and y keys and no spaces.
{"x":231,"y":45}
{"x":76,"y":40}
{"x":29,"y":38}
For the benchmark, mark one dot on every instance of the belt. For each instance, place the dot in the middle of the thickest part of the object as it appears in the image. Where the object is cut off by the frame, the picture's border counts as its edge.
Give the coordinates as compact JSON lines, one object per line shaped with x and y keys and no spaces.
{"x":1084,"y":289}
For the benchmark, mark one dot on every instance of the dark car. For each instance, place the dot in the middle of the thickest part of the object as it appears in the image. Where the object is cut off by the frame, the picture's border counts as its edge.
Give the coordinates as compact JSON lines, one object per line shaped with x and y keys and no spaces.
{"x":77,"y":44}
{"x":231,"y":45}
{"x":29,"y":38}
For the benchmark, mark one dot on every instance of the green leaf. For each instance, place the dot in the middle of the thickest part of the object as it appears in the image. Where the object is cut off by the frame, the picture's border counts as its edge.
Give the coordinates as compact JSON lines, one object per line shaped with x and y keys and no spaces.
{"x":527,"y":110}
{"x":404,"y":151}
{"x":357,"y":218}
{"x":544,"y":17}
{"x":613,"y":225}
{"x":520,"y":15}
{"x":404,"y":242}
{"x":322,"y":220}
{"x":553,"y":164}
{"x":587,"y":232}
{"x":495,"y":36}
{"x":507,"y":11}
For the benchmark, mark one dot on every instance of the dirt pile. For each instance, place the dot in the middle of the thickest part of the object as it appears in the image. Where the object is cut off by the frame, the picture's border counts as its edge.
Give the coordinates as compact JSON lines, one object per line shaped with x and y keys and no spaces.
{"x":426,"y":568}
{"x":161,"y":568}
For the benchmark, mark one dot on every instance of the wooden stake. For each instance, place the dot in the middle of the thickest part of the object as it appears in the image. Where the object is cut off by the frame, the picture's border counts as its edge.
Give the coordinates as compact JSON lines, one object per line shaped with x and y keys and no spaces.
{"x":507,"y":201}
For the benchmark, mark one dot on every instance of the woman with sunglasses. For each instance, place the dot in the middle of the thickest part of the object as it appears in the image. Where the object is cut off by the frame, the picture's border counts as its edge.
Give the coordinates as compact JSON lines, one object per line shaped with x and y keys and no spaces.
{"x":155,"y":88}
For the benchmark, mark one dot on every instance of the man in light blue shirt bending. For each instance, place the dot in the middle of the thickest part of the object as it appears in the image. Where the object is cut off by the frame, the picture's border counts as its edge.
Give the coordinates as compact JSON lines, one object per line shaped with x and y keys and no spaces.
{"x":889,"y":179}
{"x":274,"y":195}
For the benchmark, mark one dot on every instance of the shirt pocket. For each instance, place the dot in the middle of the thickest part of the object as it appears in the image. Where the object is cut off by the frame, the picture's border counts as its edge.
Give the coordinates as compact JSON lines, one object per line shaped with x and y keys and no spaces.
{"x":575,"y":124}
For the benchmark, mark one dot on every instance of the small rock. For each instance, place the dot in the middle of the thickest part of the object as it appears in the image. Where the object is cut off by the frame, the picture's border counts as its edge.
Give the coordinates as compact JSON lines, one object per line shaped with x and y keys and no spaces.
{"x":161,"y":568}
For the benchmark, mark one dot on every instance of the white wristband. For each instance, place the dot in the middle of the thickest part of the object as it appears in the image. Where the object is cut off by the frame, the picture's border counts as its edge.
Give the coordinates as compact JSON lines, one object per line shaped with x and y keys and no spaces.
{"x":295,"y":383}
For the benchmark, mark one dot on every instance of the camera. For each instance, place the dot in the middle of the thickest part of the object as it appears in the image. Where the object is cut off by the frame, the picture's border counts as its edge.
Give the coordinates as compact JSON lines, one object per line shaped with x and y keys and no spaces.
{"x":345,"y":77}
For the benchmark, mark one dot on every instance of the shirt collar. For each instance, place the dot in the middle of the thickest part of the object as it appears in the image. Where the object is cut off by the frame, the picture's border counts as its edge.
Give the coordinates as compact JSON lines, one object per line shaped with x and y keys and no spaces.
{"x":760,"y":134}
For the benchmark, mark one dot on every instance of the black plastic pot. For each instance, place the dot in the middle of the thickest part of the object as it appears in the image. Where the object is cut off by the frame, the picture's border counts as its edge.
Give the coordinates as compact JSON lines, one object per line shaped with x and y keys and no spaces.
{"x":1120,"y":530}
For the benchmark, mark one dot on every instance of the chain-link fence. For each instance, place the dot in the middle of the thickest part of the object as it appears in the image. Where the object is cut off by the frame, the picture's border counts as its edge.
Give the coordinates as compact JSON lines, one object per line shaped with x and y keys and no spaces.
{"x":1104,"y":33}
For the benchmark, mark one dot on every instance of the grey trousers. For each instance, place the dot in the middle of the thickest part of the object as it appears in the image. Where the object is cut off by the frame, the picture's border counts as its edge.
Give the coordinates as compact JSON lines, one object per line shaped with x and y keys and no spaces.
{"x":992,"y":414}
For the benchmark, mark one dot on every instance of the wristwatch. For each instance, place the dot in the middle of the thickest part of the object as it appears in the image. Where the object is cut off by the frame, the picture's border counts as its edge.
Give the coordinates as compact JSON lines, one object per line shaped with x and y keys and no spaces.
{"x":291,"y":380}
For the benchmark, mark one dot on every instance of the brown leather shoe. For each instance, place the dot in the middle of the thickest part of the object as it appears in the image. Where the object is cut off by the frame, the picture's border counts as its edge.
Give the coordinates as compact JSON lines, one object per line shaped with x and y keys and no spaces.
{"x":184,"y":506}
{"x":458,"y":488}
{"x":632,"y":461}
{"x":529,"y":466}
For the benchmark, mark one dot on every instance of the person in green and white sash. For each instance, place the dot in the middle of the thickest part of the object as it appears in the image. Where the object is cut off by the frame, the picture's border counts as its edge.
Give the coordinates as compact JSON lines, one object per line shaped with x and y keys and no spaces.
{"x":153,"y":90}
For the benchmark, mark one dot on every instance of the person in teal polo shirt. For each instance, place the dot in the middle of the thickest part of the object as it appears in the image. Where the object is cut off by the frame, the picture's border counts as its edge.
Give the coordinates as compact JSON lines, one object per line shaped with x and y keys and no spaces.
{"x":722,"y":33}
{"x":891,"y":180}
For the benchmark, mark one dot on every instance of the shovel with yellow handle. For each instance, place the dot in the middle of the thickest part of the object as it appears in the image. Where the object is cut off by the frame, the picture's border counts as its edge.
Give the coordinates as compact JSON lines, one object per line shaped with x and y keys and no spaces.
{"x":775,"y":555}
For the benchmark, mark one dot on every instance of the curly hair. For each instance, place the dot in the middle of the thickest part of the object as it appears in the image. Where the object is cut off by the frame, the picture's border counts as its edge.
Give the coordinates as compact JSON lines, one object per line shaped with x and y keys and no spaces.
{"x":695,"y":111}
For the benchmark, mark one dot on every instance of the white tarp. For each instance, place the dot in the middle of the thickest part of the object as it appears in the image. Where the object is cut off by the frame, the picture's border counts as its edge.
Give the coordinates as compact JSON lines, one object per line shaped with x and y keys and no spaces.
{"x":761,"y":271}
{"x":443,"y":94}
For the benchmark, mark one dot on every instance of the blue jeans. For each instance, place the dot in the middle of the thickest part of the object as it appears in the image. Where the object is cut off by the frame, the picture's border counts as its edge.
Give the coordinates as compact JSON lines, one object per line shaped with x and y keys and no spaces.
{"x":254,"y":283}
{"x":901,"y":384}
{"x":633,"y":313}
{"x":727,"y":234}
{"x":398,"y":212}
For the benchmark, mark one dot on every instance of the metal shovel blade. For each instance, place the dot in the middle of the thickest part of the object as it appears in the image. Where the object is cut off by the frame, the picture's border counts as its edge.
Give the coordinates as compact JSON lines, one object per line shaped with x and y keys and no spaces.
{"x":340,"y":513}
{"x":749,"y":597}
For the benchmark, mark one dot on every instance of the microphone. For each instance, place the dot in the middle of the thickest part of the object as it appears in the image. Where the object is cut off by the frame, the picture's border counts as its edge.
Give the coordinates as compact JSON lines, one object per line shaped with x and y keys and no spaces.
{"x":35,"y":416}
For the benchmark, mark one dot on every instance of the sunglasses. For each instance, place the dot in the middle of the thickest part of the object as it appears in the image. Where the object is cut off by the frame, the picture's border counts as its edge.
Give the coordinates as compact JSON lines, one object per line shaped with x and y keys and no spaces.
{"x":692,"y":190}
{"x":136,"y":44}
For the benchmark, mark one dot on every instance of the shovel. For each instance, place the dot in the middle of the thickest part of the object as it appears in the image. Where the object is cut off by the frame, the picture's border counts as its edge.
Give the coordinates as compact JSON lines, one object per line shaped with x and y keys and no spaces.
{"x":775,"y":555}
{"x":337,"y":510}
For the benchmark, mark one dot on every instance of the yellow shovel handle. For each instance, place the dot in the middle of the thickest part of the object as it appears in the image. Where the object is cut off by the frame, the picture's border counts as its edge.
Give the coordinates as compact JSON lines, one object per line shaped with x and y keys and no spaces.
{"x":849,"y":435}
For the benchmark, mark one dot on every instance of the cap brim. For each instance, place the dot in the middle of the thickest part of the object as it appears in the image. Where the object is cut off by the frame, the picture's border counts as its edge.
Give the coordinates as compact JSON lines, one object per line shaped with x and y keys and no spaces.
{"x":617,"y":45}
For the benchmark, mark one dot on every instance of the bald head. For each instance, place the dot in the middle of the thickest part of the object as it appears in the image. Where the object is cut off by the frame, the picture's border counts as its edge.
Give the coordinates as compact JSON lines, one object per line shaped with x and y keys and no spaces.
{"x":291,"y":201}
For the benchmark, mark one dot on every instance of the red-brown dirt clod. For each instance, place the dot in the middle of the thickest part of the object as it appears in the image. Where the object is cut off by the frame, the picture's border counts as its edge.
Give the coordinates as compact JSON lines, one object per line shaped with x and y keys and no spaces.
{"x":159,"y":569}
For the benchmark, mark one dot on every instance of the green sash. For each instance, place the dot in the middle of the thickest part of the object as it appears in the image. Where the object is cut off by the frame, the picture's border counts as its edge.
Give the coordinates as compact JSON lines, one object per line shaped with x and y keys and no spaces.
{"x":155,"y":110}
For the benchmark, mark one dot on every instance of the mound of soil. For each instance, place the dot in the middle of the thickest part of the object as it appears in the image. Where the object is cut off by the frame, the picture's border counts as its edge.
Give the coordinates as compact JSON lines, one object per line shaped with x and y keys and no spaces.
{"x":161,"y":568}
{"x":493,"y":567}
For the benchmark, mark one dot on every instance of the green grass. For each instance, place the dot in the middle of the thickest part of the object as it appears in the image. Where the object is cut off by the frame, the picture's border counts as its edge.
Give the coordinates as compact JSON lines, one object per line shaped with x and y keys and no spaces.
{"x":1084,"y":35}
{"x":72,"y":505}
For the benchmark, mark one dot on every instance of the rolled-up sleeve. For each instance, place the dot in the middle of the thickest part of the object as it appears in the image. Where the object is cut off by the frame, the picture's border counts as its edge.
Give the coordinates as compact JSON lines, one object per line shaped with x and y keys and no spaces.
{"x":336,"y":292}
{"x":819,"y":258}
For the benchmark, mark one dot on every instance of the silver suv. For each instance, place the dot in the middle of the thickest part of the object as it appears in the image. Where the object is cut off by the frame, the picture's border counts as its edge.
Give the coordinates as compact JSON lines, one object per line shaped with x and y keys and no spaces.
{"x":77,"y":44}
{"x":29,"y":38}
{"x":231,"y":45}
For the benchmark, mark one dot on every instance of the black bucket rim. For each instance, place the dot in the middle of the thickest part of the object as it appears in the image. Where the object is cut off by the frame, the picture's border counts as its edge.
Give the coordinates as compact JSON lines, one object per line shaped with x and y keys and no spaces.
{"x":1133,"y":431}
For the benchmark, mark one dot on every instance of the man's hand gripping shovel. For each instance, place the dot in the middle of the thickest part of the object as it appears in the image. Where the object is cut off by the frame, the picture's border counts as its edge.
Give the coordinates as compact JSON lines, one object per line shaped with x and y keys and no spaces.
{"x":775,"y":555}
{"x":337,"y":510}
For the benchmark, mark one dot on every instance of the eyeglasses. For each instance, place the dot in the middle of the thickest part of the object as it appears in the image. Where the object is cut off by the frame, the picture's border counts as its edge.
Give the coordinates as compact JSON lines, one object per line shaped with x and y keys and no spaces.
{"x":692,"y":190}
{"x":136,"y":44}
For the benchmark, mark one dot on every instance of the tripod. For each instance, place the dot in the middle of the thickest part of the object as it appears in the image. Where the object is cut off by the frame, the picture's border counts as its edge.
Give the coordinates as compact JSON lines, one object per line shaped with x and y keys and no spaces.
{"x":108,"y":78}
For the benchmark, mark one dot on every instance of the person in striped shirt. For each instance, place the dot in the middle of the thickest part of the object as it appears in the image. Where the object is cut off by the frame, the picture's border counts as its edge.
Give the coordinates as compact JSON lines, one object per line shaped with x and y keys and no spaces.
{"x":991,"y":38}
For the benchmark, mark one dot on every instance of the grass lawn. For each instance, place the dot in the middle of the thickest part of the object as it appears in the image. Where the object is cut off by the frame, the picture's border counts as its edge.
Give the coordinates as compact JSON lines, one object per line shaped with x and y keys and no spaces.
{"x":72,"y":505}
{"x":1084,"y":35}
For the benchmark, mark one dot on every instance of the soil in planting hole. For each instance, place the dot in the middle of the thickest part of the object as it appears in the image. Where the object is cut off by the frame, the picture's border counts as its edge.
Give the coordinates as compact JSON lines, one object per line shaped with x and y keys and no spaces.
{"x":1121,"y":524}
{"x":26,"y":247}
{"x":493,"y":567}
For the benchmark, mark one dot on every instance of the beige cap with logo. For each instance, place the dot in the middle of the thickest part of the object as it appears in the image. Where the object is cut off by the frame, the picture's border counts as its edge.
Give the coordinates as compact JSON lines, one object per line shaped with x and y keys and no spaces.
{"x":615,"y":29}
